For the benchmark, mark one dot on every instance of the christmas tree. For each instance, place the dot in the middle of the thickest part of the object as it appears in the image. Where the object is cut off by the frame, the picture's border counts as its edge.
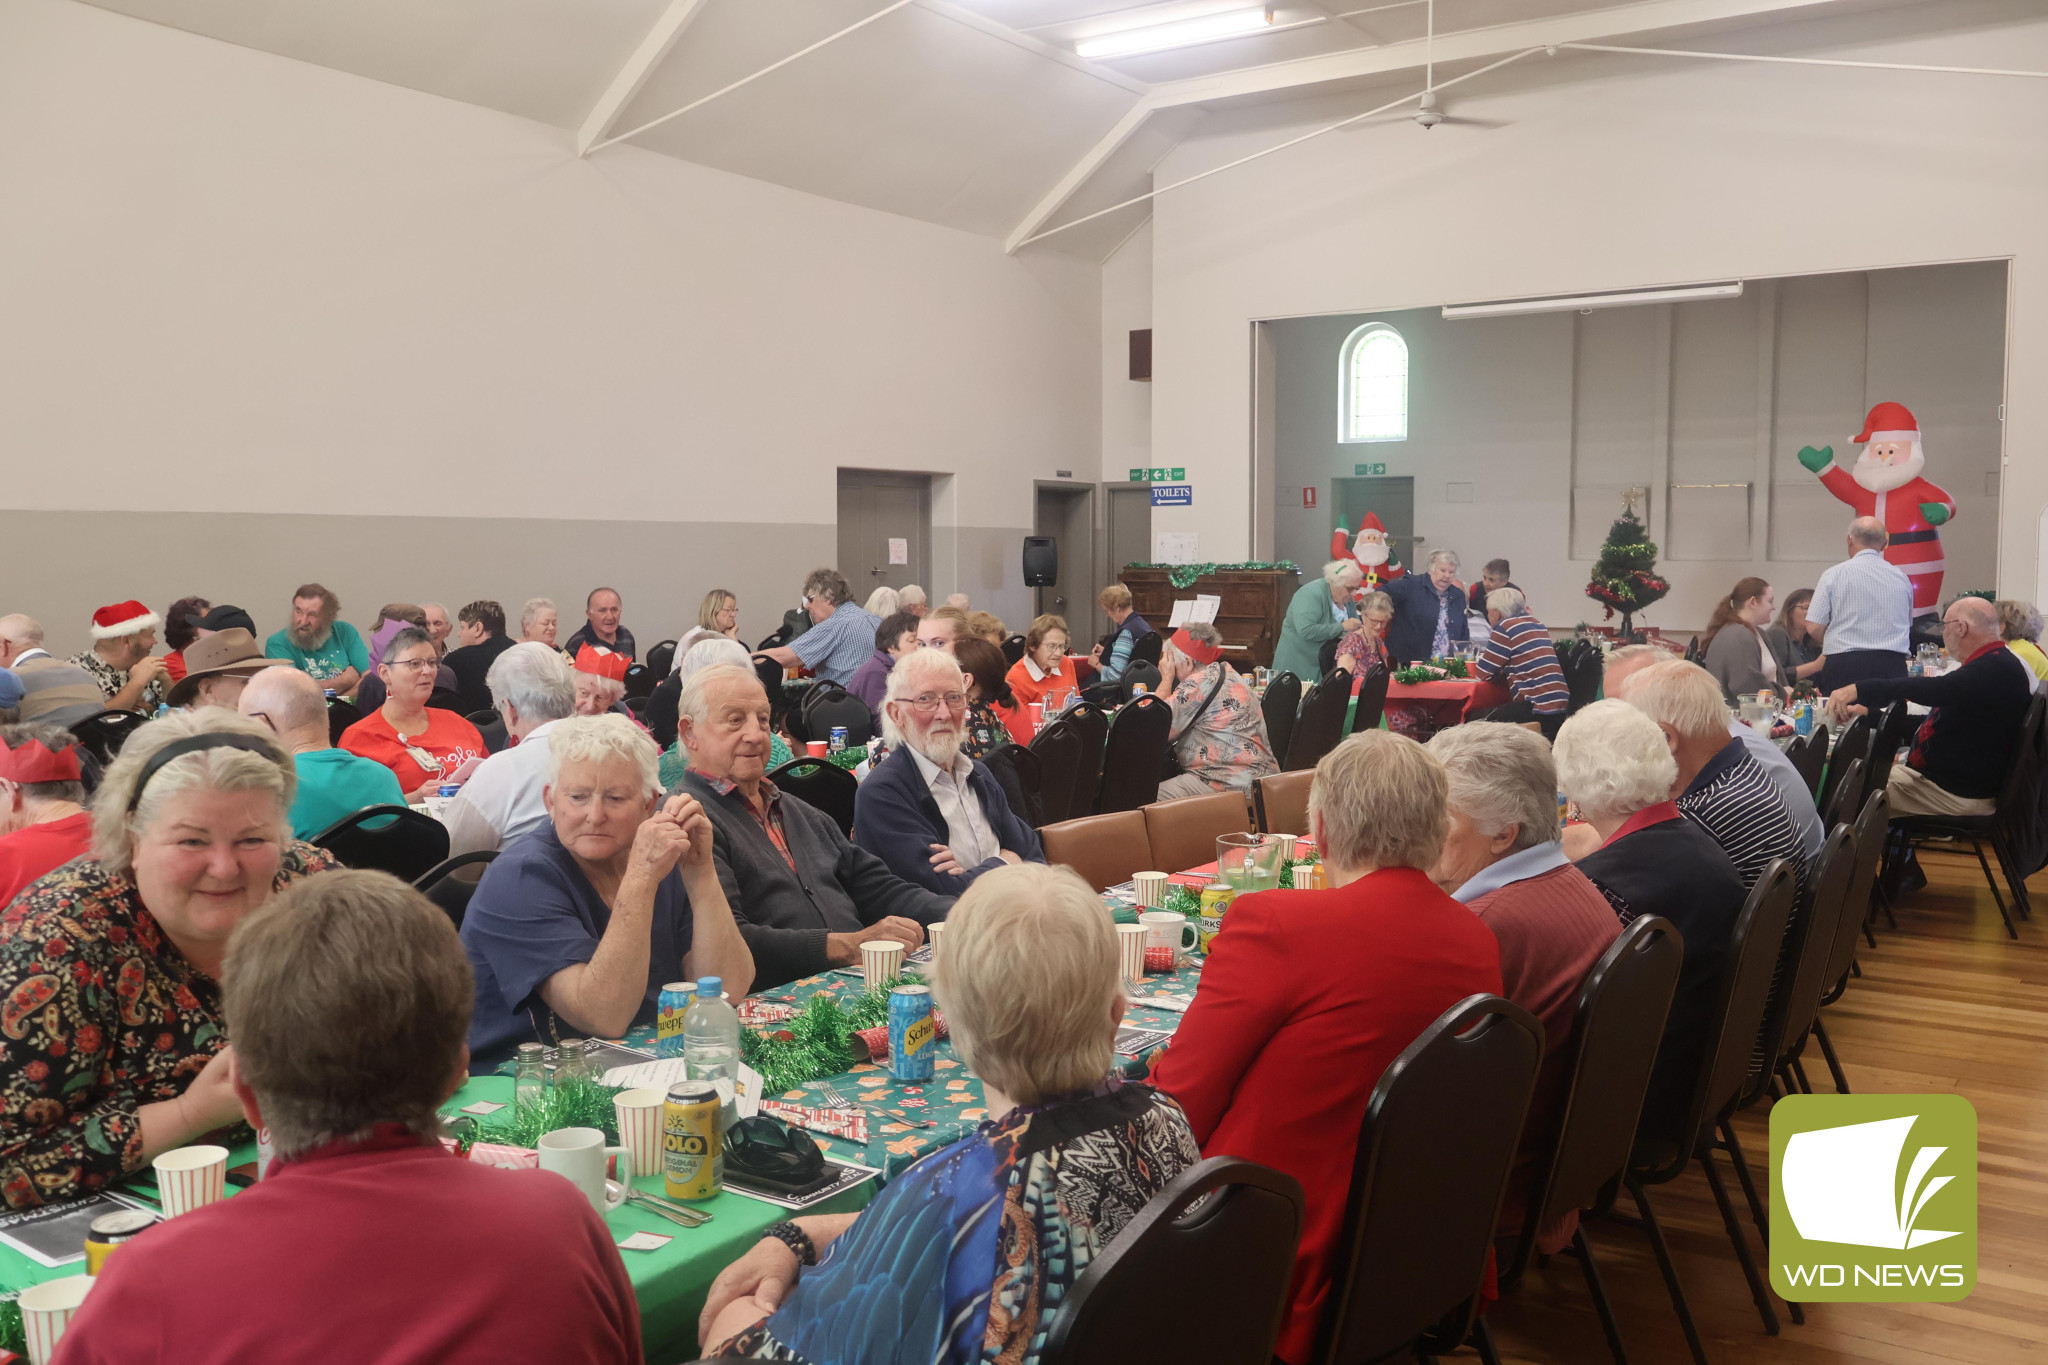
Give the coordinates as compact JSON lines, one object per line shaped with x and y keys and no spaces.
{"x":1624,"y":578}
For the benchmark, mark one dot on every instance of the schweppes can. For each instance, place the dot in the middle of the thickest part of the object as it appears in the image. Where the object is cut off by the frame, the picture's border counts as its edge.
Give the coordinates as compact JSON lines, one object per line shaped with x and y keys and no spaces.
{"x":670,"y":1007}
{"x":913,"y":1033}
{"x":692,"y":1161}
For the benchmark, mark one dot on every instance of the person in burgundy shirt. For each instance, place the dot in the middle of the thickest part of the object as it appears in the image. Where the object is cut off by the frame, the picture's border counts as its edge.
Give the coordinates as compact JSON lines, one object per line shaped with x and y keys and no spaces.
{"x":379,"y":1245}
{"x":1308,"y":995}
{"x":1502,"y":858}
{"x":43,"y":821}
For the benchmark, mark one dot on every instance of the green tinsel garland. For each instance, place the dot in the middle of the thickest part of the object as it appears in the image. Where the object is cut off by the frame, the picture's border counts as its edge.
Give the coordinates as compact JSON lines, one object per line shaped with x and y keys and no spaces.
{"x":817,"y":1041}
{"x":13,"y":1336}
{"x":1433,"y":671}
{"x":849,"y":758}
{"x":574,"y":1103}
{"x":1184,"y":575}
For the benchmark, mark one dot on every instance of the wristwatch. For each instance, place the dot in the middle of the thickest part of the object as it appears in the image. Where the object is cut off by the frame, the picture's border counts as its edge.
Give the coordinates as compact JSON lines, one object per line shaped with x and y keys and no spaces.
{"x":796,"y":1239}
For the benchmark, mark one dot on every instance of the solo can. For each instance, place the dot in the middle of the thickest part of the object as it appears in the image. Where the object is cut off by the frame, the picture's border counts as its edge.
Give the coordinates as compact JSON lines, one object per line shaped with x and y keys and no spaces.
{"x":913,"y":1033}
{"x":110,"y":1230}
{"x":670,"y":1007}
{"x":692,"y":1158}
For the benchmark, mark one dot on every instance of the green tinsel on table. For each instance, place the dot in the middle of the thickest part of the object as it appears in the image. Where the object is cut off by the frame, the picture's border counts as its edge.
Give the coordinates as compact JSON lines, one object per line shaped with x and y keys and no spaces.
{"x":574,"y":1103}
{"x":1436,"y":670}
{"x":1184,"y":575}
{"x":1182,"y":900}
{"x":817,"y":1041}
{"x":13,"y":1336}
{"x":849,"y":758}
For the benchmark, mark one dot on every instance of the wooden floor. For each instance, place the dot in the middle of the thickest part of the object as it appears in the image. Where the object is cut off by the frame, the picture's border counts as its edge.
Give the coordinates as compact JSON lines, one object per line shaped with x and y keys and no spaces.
{"x":1946,"y":1002}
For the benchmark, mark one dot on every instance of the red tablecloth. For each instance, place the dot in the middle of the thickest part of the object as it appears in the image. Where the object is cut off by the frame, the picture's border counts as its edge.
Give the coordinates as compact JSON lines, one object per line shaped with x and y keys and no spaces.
{"x":1419,"y":710}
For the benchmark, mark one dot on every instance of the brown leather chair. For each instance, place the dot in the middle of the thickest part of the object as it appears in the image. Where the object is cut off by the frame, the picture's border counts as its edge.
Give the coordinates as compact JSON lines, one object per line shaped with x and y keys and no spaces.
{"x":1183,"y":833}
{"x":1105,"y":849}
{"x":1283,"y":802}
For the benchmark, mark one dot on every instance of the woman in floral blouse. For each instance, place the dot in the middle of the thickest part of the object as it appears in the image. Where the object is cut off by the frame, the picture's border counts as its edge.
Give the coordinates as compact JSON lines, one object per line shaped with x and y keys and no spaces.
{"x":1366,"y":646}
{"x":1219,"y":728}
{"x":110,"y":1014}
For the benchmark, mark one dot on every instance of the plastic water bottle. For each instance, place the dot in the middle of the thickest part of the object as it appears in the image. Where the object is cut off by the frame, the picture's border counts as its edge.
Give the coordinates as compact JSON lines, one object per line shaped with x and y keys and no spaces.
{"x":711,"y":1036}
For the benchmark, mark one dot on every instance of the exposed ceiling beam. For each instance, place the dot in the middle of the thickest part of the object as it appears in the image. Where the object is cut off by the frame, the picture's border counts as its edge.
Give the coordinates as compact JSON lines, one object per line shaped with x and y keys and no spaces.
{"x":1065,"y":56}
{"x":1586,"y":26}
{"x":660,"y":38}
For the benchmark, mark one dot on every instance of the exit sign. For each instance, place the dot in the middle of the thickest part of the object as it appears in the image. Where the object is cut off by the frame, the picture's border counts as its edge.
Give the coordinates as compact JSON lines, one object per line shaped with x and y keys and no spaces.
{"x":1369,"y":471}
{"x":1159,"y":474}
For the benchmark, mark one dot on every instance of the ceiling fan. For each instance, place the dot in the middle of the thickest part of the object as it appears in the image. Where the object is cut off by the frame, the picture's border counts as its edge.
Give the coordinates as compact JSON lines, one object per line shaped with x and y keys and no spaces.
{"x":1428,"y":113}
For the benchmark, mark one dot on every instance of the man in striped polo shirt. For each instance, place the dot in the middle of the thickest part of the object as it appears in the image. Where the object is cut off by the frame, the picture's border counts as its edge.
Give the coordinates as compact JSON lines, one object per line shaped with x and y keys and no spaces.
{"x":1519,"y":651}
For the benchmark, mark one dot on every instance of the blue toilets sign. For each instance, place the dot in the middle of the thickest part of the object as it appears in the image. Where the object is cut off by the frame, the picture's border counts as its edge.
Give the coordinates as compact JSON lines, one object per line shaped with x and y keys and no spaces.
{"x":1173,"y":495}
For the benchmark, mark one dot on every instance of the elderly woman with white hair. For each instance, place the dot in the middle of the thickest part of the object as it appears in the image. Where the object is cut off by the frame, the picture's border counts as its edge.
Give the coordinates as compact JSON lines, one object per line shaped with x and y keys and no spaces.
{"x":537,"y":621}
{"x":1219,"y":729}
{"x":1614,"y":764}
{"x":1429,"y":611}
{"x":1308,"y":995}
{"x":934,"y":814}
{"x":111,"y":964}
{"x":1321,"y":610}
{"x":574,"y":929}
{"x":965,"y":1256}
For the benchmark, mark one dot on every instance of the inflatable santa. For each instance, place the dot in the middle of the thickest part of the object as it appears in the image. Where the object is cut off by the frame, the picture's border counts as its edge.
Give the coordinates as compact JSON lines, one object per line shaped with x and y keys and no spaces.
{"x":1885,"y":483}
{"x":1370,"y":550}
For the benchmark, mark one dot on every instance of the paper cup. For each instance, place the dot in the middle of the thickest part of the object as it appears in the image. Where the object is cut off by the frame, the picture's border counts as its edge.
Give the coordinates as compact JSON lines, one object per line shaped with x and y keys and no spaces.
{"x":931,"y":936}
{"x":1130,"y":951}
{"x":191,"y":1178}
{"x":46,"y":1310}
{"x":816,"y":748}
{"x":639,"y":1114}
{"x":1286,"y":847}
{"x":1151,"y":888}
{"x":880,"y":960}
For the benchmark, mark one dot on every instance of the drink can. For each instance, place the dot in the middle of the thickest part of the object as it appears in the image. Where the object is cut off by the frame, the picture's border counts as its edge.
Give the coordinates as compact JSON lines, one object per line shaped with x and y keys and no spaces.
{"x":913,"y":1034}
{"x":1216,"y":898}
{"x":670,"y":1007}
{"x":692,"y":1158}
{"x":1139,"y":689}
{"x":838,"y":743}
{"x":108,"y":1231}
{"x":448,"y":789}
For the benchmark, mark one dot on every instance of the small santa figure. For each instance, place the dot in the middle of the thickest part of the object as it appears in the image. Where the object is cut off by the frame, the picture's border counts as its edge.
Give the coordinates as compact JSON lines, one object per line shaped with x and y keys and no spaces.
{"x":1370,"y":550}
{"x":1886,"y":484}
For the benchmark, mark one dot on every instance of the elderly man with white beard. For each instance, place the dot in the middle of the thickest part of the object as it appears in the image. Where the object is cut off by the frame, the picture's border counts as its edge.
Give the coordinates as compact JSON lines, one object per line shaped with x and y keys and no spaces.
{"x":934,"y":815}
{"x":1862,"y":609}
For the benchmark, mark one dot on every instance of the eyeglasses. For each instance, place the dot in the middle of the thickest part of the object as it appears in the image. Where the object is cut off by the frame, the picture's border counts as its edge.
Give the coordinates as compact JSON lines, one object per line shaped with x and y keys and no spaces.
{"x":926,"y":704}
{"x":415,"y":665}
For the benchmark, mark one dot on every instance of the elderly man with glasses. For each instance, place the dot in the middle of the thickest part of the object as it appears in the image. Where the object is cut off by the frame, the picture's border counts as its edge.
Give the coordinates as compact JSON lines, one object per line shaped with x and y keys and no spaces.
{"x":934,"y":815}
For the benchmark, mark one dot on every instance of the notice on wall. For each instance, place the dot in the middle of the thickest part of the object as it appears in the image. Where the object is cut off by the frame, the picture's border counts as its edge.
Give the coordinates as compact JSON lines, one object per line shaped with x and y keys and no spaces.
{"x":1176,"y":547}
{"x":899,"y":550}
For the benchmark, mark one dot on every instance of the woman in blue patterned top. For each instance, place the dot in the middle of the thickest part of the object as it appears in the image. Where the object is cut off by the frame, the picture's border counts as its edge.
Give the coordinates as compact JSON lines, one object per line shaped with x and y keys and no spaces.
{"x":967,"y":1256}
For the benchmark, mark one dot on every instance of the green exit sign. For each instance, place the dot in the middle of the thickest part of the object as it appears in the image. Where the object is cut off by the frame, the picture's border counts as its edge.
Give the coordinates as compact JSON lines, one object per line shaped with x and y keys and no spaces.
{"x":1160,"y":474}
{"x":1369,"y":471}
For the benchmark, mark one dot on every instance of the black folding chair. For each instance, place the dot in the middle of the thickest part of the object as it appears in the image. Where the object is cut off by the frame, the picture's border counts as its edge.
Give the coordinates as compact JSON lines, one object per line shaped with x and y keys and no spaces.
{"x":1013,"y":648}
{"x":661,"y":660}
{"x":1093,"y":724}
{"x":491,"y":726}
{"x":1886,"y":740}
{"x":1615,"y":1032}
{"x":1872,"y":829}
{"x":1147,"y":648}
{"x":450,"y":892}
{"x":1812,"y":761}
{"x":1220,"y":1211}
{"x":640,"y":680}
{"x":1326,"y":657}
{"x":1433,"y":1157}
{"x":1280,"y":705}
{"x":341,"y":715}
{"x":1372,"y":699}
{"x":104,"y":734}
{"x":394,"y":839}
{"x":1134,"y":755}
{"x":1016,"y":770}
{"x":770,"y":673}
{"x":828,"y":705}
{"x":1321,"y":722}
{"x":1853,"y":745}
{"x":1058,"y":750}
{"x":820,"y":785}
{"x":1725,"y":1059}
{"x":1582,"y":673}
{"x":1136,"y":673}
{"x":1793,"y":1010}
{"x":1844,"y":794}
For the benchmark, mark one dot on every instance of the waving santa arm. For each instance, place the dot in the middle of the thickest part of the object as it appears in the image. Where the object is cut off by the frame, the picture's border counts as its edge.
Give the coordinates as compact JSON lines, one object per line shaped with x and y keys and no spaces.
{"x":1935,"y":503}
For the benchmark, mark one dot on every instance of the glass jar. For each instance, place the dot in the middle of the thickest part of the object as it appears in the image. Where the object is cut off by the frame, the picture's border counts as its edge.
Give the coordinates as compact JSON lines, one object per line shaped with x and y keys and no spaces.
{"x":570,"y":1063}
{"x":529,"y":1076}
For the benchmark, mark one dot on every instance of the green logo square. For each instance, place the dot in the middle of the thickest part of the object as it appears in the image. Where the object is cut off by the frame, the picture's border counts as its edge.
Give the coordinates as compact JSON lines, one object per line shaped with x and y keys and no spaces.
{"x":1873,"y":1198}
{"x":1137,"y":476}
{"x":1180,"y":474}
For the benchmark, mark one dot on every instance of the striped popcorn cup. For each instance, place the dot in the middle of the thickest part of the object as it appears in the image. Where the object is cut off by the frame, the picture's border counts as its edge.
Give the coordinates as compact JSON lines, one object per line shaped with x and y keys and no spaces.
{"x":639,"y":1114}
{"x":1149,"y":889}
{"x":1130,"y":951}
{"x":881,"y":960}
{"x":46,"y":1310}
{"x":190,"y":1178}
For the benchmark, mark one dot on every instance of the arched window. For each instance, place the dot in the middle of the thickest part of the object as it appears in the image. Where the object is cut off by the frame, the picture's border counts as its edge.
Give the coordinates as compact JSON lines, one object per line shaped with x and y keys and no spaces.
{"x":1374,"y":385}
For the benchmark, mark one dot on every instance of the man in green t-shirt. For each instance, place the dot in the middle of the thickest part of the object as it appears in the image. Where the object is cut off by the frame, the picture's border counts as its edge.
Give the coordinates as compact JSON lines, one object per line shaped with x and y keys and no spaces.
{"x":324,"y":648}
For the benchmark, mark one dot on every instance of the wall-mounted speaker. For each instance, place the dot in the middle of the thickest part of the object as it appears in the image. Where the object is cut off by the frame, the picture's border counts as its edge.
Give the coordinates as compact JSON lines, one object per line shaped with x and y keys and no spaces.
{"x":1041,"y":561}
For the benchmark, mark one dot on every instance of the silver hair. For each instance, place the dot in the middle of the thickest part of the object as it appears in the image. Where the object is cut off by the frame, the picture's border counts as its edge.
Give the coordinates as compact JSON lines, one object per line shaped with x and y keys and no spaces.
{"x":534,"y":607}
{"x":1437,"y":557}
{"x":709,"y":654}
{"x":115,"y":828}
{"x":911,"y":596}
{"x":1337,"y":570}
{"x":593,"y":739}
{"x":404,"y":640}
{"x":534,"y":678}
{"x":1501,"y":775}
{"x":1612,"y":760}
{"x":1683,"y":696}
{"x":1508,"y":602}
{"x":907,"y":676}
{"x":1202,"y":633}
{"x":695,"y":700}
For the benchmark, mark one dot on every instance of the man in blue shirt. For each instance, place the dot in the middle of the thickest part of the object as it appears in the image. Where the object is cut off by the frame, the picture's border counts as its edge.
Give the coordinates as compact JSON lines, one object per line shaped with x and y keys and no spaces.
{"x":842,"y":635}
{"x":1862,"y":610}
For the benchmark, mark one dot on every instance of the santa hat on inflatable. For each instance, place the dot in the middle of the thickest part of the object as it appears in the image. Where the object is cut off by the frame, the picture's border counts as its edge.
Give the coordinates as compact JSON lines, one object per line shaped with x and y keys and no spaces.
{"x":602,"y":662}
{"x":123,"y":618}
{"x":1889,"y":422}
{"x":1371,"y":522}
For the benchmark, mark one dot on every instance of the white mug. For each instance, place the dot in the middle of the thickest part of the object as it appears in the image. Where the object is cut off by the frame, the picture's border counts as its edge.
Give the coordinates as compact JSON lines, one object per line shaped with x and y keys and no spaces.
{"x":1165,"y":929}
{"x":46,"y":1310}
{"x":579,"y":1154}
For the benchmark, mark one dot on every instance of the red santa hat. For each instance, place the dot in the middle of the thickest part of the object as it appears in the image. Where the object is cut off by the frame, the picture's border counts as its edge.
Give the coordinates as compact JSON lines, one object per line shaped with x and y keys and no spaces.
{"x":1889,"y":422}
{"x":603,"y":662}
{"x":123,"y":618}
{"x":36,"y":762}
{"x":1371,"y":522}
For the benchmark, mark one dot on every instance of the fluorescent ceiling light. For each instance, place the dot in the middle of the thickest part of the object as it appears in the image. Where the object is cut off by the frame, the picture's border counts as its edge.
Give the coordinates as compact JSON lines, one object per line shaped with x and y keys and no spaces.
{"x":1180,"y":33}
{"x":1585,"y":303}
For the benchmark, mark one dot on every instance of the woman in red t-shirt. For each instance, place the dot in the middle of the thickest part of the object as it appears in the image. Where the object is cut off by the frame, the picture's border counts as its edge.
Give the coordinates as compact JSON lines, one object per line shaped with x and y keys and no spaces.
{"x":422,"y":745}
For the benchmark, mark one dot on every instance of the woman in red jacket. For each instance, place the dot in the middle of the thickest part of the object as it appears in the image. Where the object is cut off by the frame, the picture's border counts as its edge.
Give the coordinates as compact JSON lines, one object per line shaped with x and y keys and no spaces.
{"x":1308,"y":995}
{"x":1045,"y":674}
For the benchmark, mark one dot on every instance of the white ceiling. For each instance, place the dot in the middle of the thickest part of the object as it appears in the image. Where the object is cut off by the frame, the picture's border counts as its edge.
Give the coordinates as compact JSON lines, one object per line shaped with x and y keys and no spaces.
{"x":974,"y":114}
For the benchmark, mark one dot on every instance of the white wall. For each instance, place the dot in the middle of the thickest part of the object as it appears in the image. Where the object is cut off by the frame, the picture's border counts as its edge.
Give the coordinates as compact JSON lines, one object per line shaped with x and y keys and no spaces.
{"x":1614,"y":173}
{"x":238,"y":284}
{"x":1126,"y":404}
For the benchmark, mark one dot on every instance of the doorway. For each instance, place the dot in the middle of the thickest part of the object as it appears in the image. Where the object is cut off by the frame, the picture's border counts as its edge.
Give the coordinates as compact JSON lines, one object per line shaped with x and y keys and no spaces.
{"x":885,"y":530}
{"x":1392,"y":500}
{"x":1129,"y":531}
{"x":1066,"y":512}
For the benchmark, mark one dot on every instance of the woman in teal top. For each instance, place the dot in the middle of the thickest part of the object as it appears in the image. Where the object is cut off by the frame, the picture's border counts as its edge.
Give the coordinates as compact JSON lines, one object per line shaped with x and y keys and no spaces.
{"x":1321,"y":610}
